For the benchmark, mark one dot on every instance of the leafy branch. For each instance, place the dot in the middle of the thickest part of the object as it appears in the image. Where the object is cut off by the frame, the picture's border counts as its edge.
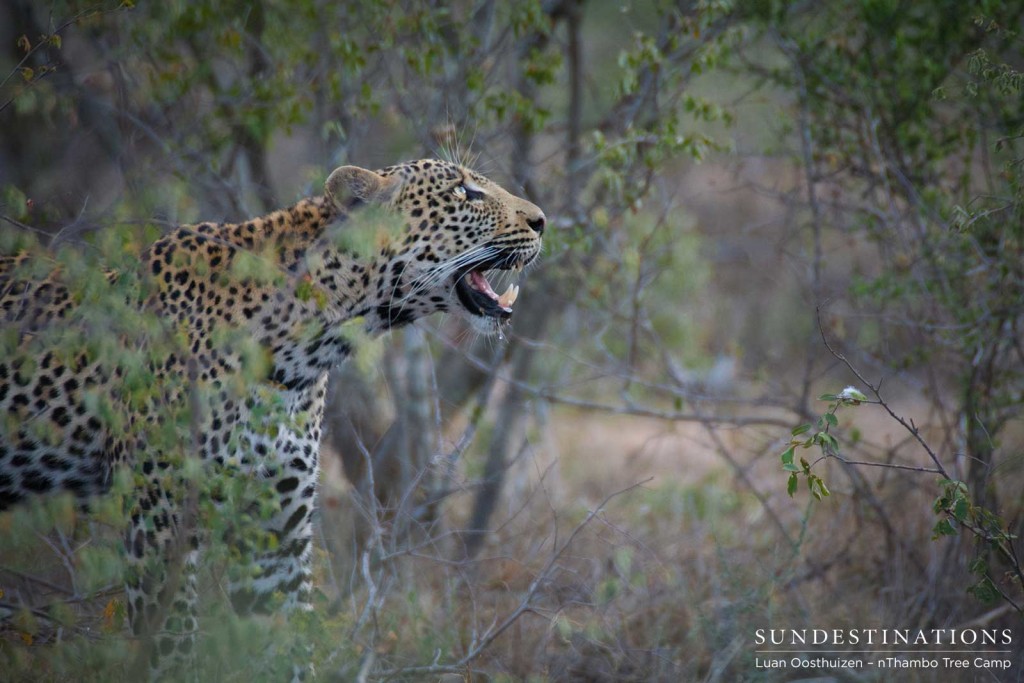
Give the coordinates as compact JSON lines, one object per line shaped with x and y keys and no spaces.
{"x":954,"y":506}
{"x":31,"y":76}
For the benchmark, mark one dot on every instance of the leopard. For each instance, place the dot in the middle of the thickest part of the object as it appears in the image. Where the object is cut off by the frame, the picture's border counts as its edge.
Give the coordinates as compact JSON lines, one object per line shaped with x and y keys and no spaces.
{"x":453,"y":229}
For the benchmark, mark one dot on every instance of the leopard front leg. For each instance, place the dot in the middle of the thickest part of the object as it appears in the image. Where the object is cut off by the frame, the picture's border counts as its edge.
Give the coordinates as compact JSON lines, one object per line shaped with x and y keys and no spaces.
{"x":285,"y":571}
{"x":283,"y":581}
{"x":161,"y":585}
{"x":289,"y":465}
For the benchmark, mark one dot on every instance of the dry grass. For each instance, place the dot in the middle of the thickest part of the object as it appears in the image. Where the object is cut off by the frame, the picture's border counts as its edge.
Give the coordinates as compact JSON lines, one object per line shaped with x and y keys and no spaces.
{"x":670,"y":580}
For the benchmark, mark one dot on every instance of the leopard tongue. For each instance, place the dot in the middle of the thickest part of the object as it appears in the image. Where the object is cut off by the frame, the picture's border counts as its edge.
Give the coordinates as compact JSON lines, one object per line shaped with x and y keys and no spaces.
{"x":480,"y":284}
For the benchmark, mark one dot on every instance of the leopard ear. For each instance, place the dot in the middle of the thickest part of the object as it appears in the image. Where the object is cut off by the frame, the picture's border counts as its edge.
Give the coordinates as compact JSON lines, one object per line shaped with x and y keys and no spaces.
{"x":351,"y":182}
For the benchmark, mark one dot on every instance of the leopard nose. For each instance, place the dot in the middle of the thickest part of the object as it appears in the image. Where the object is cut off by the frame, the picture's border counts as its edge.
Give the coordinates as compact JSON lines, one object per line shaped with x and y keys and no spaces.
{"x":537,"y":224}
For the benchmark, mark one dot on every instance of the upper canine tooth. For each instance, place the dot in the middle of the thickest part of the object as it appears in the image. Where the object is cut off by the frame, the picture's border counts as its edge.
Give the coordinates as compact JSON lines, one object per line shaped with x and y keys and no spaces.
{"x":509,"y":296}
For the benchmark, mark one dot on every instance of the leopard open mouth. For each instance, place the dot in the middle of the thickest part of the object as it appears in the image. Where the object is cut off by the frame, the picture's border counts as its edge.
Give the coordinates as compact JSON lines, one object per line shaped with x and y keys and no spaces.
{"x":477,"y":295}
{"x":479,"y":298}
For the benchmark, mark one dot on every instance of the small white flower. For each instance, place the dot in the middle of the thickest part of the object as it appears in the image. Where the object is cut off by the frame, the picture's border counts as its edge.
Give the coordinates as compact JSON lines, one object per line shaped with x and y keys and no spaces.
{"x":851,"y":394}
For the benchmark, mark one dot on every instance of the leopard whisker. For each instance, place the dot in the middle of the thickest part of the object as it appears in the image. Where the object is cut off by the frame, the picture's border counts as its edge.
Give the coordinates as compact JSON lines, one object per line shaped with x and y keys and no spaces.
{"x":438,"y":275}
{"x":461,"y":262}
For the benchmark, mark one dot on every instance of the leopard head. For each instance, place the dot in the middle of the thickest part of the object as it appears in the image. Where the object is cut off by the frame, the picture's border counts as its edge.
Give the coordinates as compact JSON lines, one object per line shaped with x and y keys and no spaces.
{"x":458,"y":226}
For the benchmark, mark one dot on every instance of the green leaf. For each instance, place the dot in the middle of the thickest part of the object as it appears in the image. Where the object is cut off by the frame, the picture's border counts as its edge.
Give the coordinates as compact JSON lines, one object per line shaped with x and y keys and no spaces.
{"x":985,"y":591}
{"x":787,"y":461}
{"x":943,"y":528}
{"x":831,"y":419}
{"x":792,"y":484}
{"x":954,"y":485}
{"x":797,"y":431}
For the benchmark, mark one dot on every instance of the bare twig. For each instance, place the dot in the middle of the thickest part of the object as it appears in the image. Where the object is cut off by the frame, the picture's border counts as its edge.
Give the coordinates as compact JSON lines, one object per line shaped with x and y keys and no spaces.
{"x":525,"y":605}
{"x":888,"y":465}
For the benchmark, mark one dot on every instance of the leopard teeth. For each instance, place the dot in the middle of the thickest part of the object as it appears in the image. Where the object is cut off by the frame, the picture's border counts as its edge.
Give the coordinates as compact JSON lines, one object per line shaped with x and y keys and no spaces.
{"x":509,"y":297}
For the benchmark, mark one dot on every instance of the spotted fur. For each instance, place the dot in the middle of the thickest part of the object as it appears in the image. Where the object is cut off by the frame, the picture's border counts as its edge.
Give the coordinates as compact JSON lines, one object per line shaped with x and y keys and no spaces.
{"x":454,"y":221}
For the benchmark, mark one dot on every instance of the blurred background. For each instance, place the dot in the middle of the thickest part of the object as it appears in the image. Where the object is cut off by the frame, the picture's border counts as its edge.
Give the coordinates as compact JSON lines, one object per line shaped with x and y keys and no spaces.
{"x":752,"y":206}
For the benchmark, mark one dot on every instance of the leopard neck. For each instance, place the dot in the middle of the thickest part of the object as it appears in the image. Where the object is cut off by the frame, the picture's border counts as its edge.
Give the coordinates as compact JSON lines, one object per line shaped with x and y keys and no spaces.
{"x":288,"y":231}
{"x":340,"y":278}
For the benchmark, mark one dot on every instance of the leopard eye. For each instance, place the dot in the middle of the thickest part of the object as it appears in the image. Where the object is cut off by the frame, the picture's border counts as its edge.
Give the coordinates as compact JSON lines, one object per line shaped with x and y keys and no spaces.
{"x":463,"y":191}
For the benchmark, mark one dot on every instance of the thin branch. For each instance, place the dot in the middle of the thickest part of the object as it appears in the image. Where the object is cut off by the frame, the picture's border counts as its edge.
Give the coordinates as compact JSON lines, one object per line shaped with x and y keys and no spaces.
{"x":1000,"y":542}
{"x":743,"y":476}
{"x":887,"y":465}
{"x":38,"y":580}
{"x":875,"y":389}
{"x":525,"y":605}
{"x":668,"y":415}
{"x":45,"y":41}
